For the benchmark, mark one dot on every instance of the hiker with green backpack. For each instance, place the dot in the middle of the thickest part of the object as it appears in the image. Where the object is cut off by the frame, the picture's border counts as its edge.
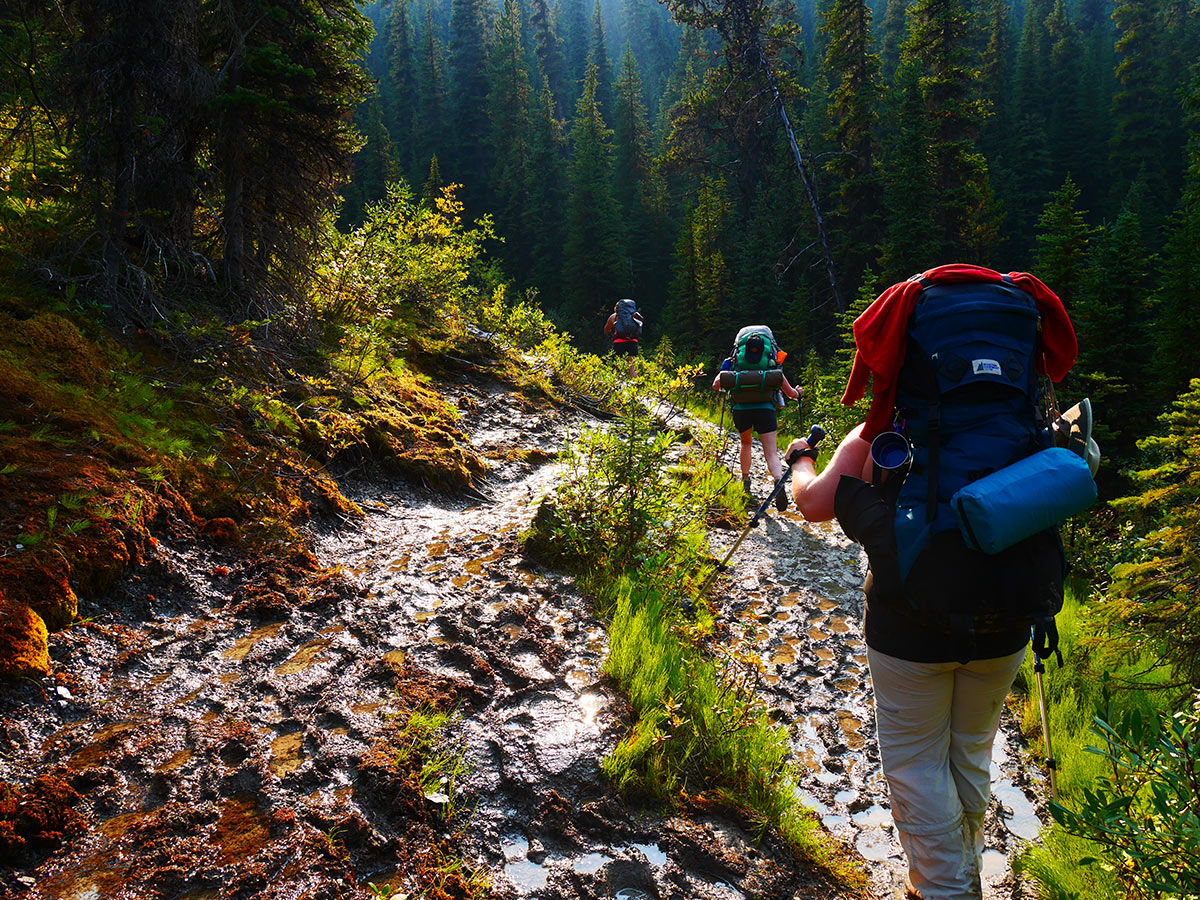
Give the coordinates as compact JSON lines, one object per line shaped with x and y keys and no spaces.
{"x":954,"y":485}
{"x":753,"y":377}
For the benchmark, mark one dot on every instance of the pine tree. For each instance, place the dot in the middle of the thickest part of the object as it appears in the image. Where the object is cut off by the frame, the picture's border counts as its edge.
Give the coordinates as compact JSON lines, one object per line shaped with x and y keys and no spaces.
{"x":429,"y":129}
{"x":1065,"y":124}
{"x":1177,"y":325}
{"x":907,"y":184}
{"x":699,"y":312}
{"x":964,"y":213}
{"x":592,"y":251}
{"x":854,"y":71}
{"x":1138,"y":114}
{"x":468,"y":68}
{"x":399,"y":90}
{"x":1110,"y":320}
{"x":508,"y":109}
{"x":631,"y":172}
{"x":544,"y":209}
{"x":548,"y":47}
{"x":374,"y":166}
{"x":573,"y":27}
{"x":598,"y":57}
{"x":892,"y":36}
{"x":1063,"y":240}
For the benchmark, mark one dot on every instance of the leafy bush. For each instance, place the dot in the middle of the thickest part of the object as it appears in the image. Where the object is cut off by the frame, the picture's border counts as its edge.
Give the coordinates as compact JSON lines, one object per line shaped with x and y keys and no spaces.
{"x":1144,"y":812}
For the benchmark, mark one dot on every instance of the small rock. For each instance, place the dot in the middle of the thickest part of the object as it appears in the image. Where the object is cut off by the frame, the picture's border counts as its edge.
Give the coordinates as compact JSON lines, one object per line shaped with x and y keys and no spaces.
{"x":63,"y":692}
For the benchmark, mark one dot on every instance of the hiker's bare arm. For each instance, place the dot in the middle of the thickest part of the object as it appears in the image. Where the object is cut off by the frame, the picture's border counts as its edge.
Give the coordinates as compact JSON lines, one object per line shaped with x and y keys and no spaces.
{"x":789,"y":391}
{"x":813,"y":493}
{"x":717,"y":382}
{"x":610,"y":324}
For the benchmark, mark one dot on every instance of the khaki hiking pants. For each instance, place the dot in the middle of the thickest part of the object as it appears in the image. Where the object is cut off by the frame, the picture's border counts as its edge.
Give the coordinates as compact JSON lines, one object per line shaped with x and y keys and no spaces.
{"x":936,"y":723}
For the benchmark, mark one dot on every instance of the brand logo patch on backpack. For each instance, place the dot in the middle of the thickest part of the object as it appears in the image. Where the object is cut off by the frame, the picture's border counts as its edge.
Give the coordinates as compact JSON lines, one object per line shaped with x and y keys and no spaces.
{"x":986,"y":367}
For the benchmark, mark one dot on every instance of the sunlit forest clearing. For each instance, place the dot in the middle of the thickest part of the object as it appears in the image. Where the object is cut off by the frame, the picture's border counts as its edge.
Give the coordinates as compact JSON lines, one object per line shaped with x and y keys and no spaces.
{"x":339,"y":559}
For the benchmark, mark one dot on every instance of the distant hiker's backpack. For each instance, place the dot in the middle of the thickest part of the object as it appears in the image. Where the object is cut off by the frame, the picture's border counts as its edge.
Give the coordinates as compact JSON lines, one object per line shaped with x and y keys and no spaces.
{"x":756,"y":374}
{"x":627,"y":327}
{"x":968,"y":400}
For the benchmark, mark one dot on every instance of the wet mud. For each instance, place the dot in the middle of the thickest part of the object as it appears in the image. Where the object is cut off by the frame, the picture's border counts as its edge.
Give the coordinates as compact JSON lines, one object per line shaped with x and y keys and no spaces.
{"x":218,"y":727}
{"x":793,"y":606}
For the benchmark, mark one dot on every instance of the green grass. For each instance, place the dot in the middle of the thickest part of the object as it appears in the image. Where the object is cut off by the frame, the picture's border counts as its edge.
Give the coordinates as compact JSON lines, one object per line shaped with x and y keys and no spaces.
{"x":1074,"y":695}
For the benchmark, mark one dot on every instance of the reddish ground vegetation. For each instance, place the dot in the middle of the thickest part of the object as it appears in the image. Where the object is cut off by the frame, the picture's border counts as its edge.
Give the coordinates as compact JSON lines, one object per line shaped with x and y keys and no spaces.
{"x":102,"y":448}
{"x":36,"y":820}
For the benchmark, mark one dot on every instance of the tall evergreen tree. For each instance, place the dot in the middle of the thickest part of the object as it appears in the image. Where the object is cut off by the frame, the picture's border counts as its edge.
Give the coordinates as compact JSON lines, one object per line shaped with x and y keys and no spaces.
{"x":374,"y":166}
{"x":964,"y":214}
{"x":631,"y":173}
{"x":598,"y":57}
{"x":592,"y":251}
{"x":855,"y":93}
{"x":468,"y":69}
{"x":1110,"y":319}
{"x":699,"y":309}
{"x":548,"y":47}
{"x":1139,"y":117}
{"x":508,"y":110}
{"x":573,"y":27}
{"x":399,"y":89}
{"x":1063,"y":239}
{"x":429,"y":117}
{"x":891,"y":37}
{"x":544,"y":209}
{"x":1177,"y":326}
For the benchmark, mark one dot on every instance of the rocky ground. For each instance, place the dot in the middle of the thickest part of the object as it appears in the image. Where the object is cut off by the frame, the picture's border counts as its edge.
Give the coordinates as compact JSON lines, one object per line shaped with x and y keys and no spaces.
{"x":220,"y":729}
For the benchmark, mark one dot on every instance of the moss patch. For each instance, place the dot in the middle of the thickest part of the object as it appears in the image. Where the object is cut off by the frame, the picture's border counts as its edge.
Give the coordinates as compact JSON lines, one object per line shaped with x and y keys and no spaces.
{"x":23,"y":648}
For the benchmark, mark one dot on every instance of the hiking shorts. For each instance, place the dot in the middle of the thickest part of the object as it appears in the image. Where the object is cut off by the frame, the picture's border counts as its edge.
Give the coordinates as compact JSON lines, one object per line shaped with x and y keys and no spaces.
{"x":625,"y":348}
{"x":764,"y":421}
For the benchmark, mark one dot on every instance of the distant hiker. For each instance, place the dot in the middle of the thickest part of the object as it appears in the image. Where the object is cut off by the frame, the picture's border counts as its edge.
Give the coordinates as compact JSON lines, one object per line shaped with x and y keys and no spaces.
{"x":753,"y":376}
{"x":954,"y":355}
{"x":625,"y":326}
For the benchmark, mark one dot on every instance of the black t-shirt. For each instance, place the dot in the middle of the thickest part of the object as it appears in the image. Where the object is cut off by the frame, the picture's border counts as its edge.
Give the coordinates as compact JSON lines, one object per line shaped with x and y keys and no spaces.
{"x":890,"y":631}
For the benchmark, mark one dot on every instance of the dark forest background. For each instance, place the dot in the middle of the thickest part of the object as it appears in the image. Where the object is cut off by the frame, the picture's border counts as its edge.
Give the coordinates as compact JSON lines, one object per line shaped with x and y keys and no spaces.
{"x":621,"y":153}
{"x":195,"y":151}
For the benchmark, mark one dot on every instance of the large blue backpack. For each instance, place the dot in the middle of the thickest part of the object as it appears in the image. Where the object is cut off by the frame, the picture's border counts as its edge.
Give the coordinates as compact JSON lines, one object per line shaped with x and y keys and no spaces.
{"x":969,"y":402}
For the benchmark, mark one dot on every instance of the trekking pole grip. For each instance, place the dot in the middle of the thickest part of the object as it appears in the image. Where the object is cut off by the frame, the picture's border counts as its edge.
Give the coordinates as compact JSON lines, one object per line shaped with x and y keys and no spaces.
{"x":815,"y":434}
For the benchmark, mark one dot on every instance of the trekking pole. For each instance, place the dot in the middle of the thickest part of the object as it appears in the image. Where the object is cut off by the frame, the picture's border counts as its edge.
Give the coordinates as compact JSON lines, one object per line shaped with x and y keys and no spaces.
{"x":1039,"y":668}
{"x":815,"y":434}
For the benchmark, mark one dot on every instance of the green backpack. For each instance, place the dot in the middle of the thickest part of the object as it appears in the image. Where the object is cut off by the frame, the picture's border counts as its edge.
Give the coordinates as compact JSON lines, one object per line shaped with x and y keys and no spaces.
{"x":756,"y":374}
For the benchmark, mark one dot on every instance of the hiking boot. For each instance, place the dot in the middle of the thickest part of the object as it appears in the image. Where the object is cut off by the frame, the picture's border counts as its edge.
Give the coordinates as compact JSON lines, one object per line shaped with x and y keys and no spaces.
{"x":781,"y":499}
{"x":746,"y":485}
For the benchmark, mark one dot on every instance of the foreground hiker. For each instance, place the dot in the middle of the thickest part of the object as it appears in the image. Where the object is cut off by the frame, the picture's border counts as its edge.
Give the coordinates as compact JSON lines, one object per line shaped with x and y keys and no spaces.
{"x":625,"y":326}
{"x":753,"y":375}
{"x":954,"y":356}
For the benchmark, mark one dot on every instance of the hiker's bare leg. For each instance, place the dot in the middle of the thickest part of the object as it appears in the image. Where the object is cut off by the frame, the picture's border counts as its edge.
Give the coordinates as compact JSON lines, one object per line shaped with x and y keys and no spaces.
{"x":771,"y":454}
{"x":745,"y":453}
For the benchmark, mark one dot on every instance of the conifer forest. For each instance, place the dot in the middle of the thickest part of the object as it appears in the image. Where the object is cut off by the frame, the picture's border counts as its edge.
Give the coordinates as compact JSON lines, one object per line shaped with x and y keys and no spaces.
{"x":340,"y":556}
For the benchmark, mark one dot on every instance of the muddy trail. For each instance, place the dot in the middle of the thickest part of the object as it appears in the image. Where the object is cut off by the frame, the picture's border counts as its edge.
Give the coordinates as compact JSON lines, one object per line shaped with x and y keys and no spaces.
{"x":794,"y":603}
{"x":217,"y":732}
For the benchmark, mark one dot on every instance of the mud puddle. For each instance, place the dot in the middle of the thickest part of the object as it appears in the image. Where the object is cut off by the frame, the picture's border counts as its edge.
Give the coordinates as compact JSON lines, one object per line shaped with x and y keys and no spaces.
{"x":794,"y":608}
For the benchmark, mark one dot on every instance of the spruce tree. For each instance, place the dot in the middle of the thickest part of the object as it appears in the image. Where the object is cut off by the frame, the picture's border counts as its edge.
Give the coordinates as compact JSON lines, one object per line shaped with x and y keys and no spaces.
{"x":429,"y":129}
{"x":598,"y":57}
{"x":631,"y":173}
{"x":573,"y":27}
{"x":1139,"y":116}
{"x":855,"y":93}
{"x":891,"y":39}
{"x":508,"y":110}
{"x":468,"y":70}
{"x":592,"y":251}
{"x":1063,"y":240}
{"x":1177,"y":326}
{"x":964,"y":213}
{"x":1111,"y":320}
{"x":544,"y":209}
{"x":399,"y":89}
{"x":547,"y":46}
